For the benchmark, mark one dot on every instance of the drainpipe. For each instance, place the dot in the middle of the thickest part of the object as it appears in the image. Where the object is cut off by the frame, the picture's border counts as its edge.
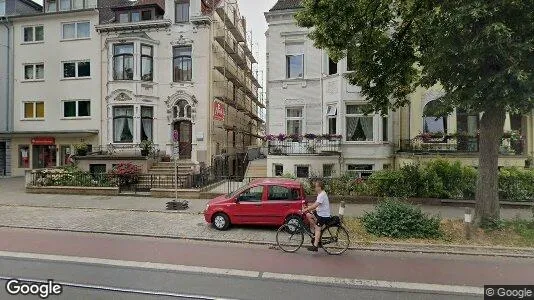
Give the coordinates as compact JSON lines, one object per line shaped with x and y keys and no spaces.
{"x":8,"y":78}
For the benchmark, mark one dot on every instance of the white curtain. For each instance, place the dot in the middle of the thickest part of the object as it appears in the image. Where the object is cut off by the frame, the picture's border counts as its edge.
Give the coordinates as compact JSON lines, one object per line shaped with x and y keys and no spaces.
{"x":367,"y":125}
{"x":118,"y":125}
{"x":147,"y":128}
{"x":352,"y":124}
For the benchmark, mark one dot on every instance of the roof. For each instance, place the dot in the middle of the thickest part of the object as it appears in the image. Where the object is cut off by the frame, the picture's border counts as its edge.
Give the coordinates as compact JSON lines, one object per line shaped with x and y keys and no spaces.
{"x":287,"y":4}
{"x":278,"y":181}
{"x":107,"y":7}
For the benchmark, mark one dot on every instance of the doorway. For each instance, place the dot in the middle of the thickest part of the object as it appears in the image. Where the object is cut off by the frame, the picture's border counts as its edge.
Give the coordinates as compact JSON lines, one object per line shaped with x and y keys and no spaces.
{"x":185,"y":131}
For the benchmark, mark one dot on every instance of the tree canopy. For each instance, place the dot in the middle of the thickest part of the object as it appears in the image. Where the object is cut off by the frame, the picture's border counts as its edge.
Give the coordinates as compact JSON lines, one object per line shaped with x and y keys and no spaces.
{"x":481,"y":52}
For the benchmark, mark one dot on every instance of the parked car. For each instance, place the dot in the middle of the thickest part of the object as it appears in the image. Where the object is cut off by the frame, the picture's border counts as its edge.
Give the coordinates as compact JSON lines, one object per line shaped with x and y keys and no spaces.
{"x":272,"y":201}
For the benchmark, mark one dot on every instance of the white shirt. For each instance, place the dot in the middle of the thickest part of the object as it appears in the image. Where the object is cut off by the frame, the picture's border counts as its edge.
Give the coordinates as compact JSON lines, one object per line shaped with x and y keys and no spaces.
{"x":323,"y":210}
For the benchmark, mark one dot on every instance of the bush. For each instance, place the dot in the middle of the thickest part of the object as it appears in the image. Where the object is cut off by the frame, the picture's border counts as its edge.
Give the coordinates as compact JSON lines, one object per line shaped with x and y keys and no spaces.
{"x":456,"y":181}
{"x":393,"y":218}
{"x":516,"y":185}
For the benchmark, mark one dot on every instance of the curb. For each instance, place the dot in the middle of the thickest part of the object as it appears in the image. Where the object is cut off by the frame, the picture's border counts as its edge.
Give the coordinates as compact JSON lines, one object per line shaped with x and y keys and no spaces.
{"x":375,"y":247}
{"x":105,"y":209}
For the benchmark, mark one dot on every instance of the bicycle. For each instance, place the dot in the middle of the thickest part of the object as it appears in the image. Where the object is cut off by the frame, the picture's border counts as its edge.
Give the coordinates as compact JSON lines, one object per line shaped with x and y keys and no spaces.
{"x":334,"y":237}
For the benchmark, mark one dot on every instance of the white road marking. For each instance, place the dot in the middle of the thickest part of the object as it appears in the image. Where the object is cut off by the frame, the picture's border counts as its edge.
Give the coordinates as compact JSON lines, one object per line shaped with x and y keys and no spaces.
{"x":117,"y":289}
{"x":408,"y":286}
{"x":377,"y":284}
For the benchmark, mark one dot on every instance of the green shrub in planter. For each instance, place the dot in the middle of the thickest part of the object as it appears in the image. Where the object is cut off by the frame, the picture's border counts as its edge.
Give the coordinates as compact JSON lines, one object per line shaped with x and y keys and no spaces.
{"x":396,"y":219}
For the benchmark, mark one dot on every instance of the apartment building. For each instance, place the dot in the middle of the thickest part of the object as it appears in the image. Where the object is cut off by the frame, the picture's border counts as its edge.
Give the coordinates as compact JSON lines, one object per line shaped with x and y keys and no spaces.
{"x":9,"y":9}
{"x":309,"y":96}
{"x":56,"y":80}
{"x":316,"y":124}
{"x":179,"y":66}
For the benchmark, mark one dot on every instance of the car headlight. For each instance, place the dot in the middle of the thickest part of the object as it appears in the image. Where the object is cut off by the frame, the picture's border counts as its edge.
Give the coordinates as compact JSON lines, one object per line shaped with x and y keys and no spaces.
{"x":207,"y":206}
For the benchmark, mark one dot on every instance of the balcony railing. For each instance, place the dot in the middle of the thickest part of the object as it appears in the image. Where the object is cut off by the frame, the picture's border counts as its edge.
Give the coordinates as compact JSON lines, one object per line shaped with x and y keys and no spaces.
{"x":459,"y":145}
{"x":305,"y":147}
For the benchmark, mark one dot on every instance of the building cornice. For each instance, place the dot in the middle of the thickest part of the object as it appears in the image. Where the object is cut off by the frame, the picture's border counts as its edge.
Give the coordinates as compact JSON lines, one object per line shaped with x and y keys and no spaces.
{"x":50,"y":15}
{"x":166,"y":23}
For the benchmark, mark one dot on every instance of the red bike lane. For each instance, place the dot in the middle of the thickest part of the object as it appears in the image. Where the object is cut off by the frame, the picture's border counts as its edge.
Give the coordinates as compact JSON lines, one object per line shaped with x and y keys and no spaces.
{"x":398,"y":267}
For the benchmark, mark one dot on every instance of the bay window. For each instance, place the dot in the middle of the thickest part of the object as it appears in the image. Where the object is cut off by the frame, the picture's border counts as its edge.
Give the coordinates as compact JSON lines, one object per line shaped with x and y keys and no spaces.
{"x":123,"y":124}
{"x":359,"y":127}
{"x":147,"y":63}
{"x":123,"y":62}
{"x":147,"y":123}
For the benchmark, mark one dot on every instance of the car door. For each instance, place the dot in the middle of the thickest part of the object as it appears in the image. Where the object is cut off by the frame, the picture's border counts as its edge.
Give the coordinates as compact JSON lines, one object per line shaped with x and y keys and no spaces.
{"x":249,"y":206}
{"x":278,"y":204}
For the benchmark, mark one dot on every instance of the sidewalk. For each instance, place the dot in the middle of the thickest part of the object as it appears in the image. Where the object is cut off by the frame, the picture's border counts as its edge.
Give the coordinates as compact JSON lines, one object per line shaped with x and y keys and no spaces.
{"x":12,"y":194}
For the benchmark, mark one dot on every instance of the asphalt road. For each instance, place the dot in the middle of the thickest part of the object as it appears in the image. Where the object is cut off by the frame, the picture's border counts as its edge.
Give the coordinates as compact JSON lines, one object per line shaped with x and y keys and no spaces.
{"x":142,"y":284}
{"x":96,"y":266}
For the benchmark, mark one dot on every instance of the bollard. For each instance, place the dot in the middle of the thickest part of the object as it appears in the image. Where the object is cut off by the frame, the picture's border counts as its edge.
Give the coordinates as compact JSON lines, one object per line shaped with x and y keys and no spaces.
{"x":341,"y":210}
{"x":467,"y":223}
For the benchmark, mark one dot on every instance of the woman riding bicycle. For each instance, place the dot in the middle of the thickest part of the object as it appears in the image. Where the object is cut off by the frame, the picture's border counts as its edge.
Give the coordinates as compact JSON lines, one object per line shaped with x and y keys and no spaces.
{"x":320,"y":216}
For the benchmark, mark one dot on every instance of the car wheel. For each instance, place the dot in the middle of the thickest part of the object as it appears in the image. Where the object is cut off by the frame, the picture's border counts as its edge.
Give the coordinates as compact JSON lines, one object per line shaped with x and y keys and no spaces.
{"x":293,"y":222}
{"x":221,"y":221}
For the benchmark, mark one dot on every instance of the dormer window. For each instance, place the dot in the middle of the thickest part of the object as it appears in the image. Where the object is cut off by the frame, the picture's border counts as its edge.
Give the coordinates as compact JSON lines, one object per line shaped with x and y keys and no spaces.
{"x":135,"y":15}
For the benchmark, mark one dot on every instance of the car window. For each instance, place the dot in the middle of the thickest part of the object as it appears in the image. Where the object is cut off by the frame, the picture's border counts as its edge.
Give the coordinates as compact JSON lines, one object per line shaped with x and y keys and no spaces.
{"x":251,"y":195}
{"x":283,"y":193}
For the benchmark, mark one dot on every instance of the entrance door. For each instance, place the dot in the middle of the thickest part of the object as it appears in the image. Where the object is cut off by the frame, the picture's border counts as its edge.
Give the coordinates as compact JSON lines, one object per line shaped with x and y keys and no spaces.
{"x":185,"y":130}
{"x":44,"y":157}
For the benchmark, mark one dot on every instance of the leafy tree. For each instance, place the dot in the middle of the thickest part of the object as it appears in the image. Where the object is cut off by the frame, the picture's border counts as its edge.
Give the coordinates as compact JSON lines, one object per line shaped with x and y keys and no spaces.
{"x":480,"y":52}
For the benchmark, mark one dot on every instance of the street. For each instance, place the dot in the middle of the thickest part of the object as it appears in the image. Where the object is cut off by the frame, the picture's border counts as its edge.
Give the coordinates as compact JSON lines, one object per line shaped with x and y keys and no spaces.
{"x":120,"y":267}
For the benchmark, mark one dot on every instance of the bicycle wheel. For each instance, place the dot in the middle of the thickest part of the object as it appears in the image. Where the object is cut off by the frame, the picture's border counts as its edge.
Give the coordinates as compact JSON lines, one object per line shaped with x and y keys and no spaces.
{"x":289,"y":239}
{"x":335,"y":239}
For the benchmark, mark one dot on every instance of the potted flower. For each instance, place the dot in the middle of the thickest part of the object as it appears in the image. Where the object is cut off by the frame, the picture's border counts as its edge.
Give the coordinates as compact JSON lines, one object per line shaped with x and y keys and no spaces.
{"x":146,"y":147}
{"x":81,"y":149}
{"x":282,"y":137}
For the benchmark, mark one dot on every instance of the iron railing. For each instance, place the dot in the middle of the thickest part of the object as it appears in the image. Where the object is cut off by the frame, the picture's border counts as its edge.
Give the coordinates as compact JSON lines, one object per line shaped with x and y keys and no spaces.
{"x":305,"y":147}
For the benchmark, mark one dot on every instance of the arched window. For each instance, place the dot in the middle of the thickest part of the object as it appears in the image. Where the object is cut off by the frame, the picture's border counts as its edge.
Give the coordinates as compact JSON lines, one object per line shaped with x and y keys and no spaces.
{"x":432,"y":122}
{"x":182,"y":110}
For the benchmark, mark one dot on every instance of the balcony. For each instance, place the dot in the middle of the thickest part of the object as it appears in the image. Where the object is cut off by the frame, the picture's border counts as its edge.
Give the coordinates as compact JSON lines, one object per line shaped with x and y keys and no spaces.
{"x":467,"y":145}
{"x":305,"y":147}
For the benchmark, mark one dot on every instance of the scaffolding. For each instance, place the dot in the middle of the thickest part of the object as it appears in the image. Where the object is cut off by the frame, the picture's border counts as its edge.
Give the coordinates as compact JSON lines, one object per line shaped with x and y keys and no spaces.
{"x":235,"y":80}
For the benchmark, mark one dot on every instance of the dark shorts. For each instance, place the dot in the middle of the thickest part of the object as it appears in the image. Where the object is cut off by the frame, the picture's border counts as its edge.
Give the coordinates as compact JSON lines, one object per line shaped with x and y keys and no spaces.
{"x":321,"y":221}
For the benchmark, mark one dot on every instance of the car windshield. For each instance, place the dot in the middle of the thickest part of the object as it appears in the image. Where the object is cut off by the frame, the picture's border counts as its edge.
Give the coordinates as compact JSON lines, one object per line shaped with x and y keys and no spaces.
{"x":238,"y":191}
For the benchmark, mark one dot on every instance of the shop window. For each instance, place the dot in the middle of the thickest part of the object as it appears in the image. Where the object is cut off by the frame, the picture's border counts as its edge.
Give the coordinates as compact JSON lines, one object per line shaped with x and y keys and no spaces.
{"x":24,"y":156}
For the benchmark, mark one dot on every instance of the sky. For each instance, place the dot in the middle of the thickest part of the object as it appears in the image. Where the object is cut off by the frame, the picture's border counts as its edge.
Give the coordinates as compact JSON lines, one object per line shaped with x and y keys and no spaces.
{"x":253,"y":11}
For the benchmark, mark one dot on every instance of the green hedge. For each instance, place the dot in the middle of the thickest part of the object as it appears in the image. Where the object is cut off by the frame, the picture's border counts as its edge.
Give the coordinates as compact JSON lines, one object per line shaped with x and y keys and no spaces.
{"x":437,"y":179}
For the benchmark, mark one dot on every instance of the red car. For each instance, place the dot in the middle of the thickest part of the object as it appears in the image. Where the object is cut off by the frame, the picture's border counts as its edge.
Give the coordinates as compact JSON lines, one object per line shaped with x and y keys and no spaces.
{"x":273,"y":201}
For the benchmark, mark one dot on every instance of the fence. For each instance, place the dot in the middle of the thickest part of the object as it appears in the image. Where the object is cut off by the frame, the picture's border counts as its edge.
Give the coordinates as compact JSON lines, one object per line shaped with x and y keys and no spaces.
{"x":130,"y":183}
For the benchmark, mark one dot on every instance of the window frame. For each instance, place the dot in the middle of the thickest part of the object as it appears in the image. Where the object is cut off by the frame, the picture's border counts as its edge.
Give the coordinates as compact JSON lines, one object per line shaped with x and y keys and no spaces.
{"x":263,"y":189}
{"x":289,"y":193}
{"x":302,"y":166}
{"x":20,"y":159}
{"x":361,"y":171}
{"x":178,"y":3}
{"x":151,"y":58}
{"x":129,"y":13}
{"x":359,"y":115}
{"x":332,"y":170}
{"x":34,"y":72}
{"x":76,"y":23}
{"x":77,"y":109}
{"x":125,"y":117}
{"x":143,"y":107}
{"x":331,"y":118}
{"x":275,"y":171}
{"x":182,"y":58}
{"x":34,"y":35}
{"x":290,"y":118}
{"x":34,"y":108}
{"x":288,"y":66}
{"x":4,"y":6}
{"x":122,"y":55}
{"x":76,"y":69}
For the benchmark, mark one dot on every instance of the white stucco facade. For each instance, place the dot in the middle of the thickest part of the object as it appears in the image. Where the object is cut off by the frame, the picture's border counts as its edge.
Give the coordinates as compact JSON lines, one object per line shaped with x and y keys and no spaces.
{"x":44,"y":132}
{"x":323,"y":96}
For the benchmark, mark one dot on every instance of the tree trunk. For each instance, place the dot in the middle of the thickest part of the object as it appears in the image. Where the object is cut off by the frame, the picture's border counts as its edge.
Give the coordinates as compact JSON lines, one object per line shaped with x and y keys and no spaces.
{"x":487,"y":206}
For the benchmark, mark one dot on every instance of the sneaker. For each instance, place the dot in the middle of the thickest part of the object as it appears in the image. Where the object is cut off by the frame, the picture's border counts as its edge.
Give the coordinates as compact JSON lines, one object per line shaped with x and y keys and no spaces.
{"x":313,"y":248}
